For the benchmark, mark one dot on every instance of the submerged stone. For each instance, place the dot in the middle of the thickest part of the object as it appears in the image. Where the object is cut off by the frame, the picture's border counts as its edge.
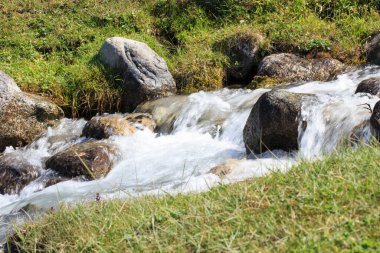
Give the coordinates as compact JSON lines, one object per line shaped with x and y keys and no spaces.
{"x":91,"y":160}
{"x":15,"y":173}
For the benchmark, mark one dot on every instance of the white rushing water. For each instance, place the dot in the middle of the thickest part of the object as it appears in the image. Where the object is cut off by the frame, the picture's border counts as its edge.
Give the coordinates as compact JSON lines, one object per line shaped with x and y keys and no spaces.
{"x":207,"y":131}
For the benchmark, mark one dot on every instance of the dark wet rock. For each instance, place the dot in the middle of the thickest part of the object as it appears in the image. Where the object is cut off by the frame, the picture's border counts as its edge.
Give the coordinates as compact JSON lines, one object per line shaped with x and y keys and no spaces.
{"x":372,"y":48}
{"x":23,"y":116}
{"x":164,"y":111}
{"x":291,"y":68}
{"x":141,"y":120}
{"x":91,"y":160}
{"x":274,"y":122}
{"x":15,"y":173}
{"x":102,"y":127}
{"x":145,"y":74}
{"x":370,"y":86}
{"x":375,"y":120}
{"x":243,"y":51}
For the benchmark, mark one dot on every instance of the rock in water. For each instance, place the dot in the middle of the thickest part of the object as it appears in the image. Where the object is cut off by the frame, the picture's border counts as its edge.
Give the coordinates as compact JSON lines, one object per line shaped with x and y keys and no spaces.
{"x":371,"y":86}
{"x":141,"y":120}
{"x":102,"y":127}
{"x":145,"y":74}
{"x":23,"y":116}
{"x":291,"y":68}
{"x":164,"y":111}
{"x":375,"y":120}
{"x":15,"y":173}
{"x":91,"y":160}
{"x":274,"y":121}
{"x":372,"y":48}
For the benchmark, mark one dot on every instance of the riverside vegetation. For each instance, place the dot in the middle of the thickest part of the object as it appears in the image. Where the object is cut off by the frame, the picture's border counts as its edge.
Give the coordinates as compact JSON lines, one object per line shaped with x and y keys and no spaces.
{"x":50,"y":47}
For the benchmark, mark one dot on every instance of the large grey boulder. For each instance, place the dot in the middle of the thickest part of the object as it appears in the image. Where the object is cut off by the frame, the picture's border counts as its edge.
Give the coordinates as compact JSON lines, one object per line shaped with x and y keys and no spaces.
{"x":91,"y":160}
{"x":370,"y":86}
{"x":145,"y":74}
{"x":15,"y":173}
{"x":243,"y":50}
{"x":291,"y":68}
{"x":23,"y":116}
{"x":274,"y":122}
{"x":372,"y":48}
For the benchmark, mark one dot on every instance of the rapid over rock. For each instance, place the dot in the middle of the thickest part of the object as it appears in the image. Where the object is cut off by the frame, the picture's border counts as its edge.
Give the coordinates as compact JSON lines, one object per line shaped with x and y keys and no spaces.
{"x":274,"y":121}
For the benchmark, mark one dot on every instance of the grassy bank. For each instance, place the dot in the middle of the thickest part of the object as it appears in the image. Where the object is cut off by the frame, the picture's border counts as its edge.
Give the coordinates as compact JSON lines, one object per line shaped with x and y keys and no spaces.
{"x":50,"y":47}
{"x":332,"y":205}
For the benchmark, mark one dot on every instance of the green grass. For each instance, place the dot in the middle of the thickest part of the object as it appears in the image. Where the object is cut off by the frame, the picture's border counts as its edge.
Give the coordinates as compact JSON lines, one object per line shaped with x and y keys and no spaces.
{"x":330,"y":205}
{"x":50,"y":47}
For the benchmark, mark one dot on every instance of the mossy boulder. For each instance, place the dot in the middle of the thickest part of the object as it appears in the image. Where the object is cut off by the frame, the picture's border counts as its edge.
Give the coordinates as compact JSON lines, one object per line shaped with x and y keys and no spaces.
{"x":372,"y":48}
{"x":23,"y":116}
{"x":244,"y":52}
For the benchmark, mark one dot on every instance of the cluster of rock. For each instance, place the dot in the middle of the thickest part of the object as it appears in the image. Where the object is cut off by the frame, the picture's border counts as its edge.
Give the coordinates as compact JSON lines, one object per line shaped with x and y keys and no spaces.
{"x":274,"y":122}
{"x":89,"y":160}
{"x":247,"y":63}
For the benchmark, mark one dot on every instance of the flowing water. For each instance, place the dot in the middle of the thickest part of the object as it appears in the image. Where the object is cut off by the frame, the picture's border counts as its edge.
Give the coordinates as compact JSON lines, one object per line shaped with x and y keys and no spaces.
{"x":207,"y":131}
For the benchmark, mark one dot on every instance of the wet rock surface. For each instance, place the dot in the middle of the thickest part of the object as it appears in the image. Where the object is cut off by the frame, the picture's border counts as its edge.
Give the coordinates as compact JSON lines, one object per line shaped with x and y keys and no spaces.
{"x":141,"y":120}
{"x":15,"y":173}
{"x":375,"y":120}
{"x":291,"y":68}
{"x":23,"y":116}
{"x":370,"y":86}
{"x":145,"y":74}
{"x":91,"y":159}
{"x":274,"y":122}
{"x":102,"y":127}
{"x":163,"y":111}
{"x":372,"y":48}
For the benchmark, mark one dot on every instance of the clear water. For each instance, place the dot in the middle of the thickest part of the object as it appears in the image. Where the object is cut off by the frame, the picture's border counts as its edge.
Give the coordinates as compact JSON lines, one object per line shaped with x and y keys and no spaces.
{"x":207,"y":131}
